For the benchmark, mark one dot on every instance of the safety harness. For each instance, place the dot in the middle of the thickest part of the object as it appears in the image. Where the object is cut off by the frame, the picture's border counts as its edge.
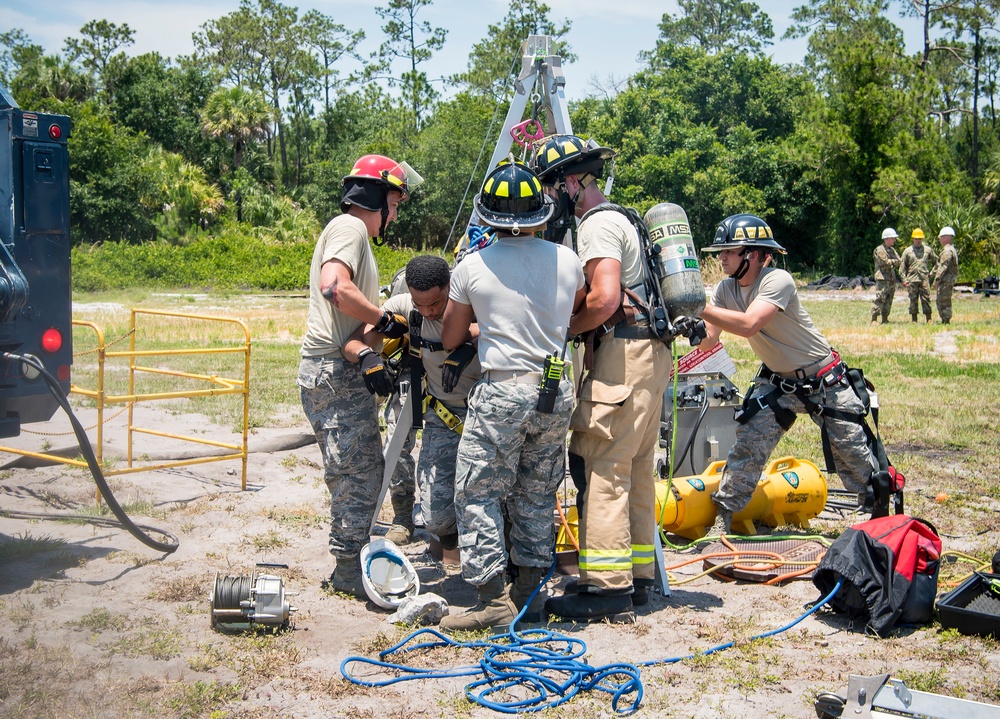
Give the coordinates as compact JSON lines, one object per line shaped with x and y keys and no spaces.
{"x":423,"y":400}
{"x":442,"y":411}
{"x":886,"y":482}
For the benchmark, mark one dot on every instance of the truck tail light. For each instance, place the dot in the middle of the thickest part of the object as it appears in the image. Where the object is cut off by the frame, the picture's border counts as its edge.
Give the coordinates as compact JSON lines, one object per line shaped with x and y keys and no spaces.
{"x":52,"y":340}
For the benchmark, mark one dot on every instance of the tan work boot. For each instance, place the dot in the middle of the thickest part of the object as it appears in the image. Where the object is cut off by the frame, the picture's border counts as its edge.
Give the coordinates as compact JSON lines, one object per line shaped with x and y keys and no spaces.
{"x":401,"y":531}
{"x":527,"y":580}
{"x":346,"y":577}
{"x":495,"y":609}
{"x":723,"y":523}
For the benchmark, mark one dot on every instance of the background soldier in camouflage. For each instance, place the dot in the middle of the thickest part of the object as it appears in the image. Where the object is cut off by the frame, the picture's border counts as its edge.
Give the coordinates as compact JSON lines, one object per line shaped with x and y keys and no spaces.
{"x":886,"y":262}
{"x":522,"y":291}
{"x":945,"y":274}
{"x":762,"y":304}
{"x":448,"y":377}
{"x":338,"y":374}
{"x":915,"y":268}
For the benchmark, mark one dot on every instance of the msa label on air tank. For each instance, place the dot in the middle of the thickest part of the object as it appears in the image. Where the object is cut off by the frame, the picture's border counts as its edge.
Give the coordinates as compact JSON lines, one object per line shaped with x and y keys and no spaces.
{"x":667,"y":231}
{"x":676,"y":248}
{"x":697,"y":484}
{"x":29,"y":125}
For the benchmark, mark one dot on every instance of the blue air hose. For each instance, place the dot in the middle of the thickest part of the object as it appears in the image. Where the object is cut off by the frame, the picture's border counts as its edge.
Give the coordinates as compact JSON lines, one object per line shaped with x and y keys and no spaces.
{"x":546,"y":665}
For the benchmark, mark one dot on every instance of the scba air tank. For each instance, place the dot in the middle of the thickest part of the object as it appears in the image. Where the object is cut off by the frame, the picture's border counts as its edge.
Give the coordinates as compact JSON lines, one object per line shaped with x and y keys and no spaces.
{"x":676,"y":261}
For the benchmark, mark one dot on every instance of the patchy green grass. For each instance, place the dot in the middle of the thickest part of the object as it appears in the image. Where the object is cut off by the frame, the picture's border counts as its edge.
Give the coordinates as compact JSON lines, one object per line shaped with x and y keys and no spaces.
{"x":22,"y":546}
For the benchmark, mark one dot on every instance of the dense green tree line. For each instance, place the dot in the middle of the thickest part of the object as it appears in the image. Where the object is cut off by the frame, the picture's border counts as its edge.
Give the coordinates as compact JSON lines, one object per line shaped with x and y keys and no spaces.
{"x":251,"y":134}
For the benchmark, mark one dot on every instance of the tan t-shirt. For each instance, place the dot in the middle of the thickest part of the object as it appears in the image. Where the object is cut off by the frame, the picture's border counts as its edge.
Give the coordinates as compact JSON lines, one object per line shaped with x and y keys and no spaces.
{"x":610,"y":234}
{"x":790,"y":340}
{"x":345,"y":238}
{"x":434,"y":361}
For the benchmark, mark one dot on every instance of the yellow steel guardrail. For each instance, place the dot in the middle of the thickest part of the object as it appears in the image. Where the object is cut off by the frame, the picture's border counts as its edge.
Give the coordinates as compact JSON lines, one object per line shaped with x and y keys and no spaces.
{"x":221,"y":386}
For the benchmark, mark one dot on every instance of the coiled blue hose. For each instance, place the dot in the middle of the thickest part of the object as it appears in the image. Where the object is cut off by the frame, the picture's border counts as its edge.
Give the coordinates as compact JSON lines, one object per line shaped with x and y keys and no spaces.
{"x":546,"y":666}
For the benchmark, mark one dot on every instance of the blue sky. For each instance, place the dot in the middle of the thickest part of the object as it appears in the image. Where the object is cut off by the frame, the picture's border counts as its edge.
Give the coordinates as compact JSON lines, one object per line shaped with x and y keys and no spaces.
{"x":607,"y":36}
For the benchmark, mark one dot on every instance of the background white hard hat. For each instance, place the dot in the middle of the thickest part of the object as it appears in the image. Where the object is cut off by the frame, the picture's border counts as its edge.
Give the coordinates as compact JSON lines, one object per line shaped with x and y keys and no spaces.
{"x":888,"y":232}
{"x":947,"y":231}
{"x":387,"y":575}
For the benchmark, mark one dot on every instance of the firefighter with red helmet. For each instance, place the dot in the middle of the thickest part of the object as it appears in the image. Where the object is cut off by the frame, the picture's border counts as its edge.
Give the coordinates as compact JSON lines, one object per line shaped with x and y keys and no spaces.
{"x":339,"y":375}
{"x":800,"y":374}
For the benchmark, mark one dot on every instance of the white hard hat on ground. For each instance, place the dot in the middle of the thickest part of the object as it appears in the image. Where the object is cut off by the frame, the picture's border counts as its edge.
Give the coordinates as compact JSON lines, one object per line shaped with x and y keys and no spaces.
{"x":888,"y":232}
{"x":387,"y":575}
{"x":950,"y":231}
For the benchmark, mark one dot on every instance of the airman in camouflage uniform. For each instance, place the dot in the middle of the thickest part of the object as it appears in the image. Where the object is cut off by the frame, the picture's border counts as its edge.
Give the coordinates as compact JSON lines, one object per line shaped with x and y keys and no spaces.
{"x":886,"y":262}
{"x":448,"y":377}
{"x":761,"y":304}
{"x":338,"y":373}
{"x":522,"y":290}
{"x":915,"y":268}
{"x":945,"y":274}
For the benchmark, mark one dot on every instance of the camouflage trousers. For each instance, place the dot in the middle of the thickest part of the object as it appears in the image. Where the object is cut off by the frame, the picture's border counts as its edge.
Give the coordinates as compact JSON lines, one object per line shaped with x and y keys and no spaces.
{"x":436,"y":472}
{"x":919,"y":292}
{"x":510,"y":455}
{"x":944,"y":287}
{"x":885,"y":290}
{"x":403,"y":481}
{"x":344,"y":417}
{"x":756,"y":440}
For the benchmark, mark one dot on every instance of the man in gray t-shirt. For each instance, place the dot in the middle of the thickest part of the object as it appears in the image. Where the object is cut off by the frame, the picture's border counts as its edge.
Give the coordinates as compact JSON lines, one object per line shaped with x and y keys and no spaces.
{"x":522,"y":291}
{"x":800,"y":371}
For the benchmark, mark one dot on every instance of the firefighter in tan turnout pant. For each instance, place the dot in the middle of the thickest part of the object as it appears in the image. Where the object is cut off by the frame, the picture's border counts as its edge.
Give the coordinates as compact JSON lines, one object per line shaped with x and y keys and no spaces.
{"x":616,"y":421}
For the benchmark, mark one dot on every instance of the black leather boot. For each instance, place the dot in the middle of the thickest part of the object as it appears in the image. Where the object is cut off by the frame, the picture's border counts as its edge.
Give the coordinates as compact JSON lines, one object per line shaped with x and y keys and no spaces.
{"x":590,"y":607}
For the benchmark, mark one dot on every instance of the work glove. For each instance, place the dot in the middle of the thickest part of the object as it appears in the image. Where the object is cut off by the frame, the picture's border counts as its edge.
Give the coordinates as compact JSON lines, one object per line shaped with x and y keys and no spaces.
{"x":391,"y":325}
{"x":373,"y":371}
{"x":456,"y":363}
{"x":692,"y":328}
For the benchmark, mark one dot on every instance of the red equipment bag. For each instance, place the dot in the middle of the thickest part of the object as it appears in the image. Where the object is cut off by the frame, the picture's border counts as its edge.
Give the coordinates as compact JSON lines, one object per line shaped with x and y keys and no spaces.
{"x":889,"y":567}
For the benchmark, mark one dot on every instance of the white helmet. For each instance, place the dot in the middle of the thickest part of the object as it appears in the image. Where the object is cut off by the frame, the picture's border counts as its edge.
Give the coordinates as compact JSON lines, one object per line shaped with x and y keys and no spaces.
{"x":387,"y":575}
{"x":947,"y":231}
{"x":888,"y":232}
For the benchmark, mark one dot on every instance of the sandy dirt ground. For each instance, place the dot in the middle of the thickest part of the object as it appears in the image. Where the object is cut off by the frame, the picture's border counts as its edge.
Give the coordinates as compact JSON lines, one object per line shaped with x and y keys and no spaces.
{"x":102,"y":626}
{"x":95,"y":624}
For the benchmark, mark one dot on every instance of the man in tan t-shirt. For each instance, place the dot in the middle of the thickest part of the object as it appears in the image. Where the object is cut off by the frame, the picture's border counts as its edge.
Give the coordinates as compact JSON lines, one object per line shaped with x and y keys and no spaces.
{"x":617,"y":418}
{"x":799,"y":367}
{"x":339,"y":375}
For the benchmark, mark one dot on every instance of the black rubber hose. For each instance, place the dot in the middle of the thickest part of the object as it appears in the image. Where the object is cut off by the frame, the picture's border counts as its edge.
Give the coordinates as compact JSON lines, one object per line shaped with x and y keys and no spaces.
{"x":691,"y":438}
{"x":88,"y":453}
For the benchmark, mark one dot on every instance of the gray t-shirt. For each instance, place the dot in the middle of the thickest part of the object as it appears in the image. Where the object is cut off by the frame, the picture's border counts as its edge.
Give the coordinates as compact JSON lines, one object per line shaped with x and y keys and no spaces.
{"x":433,"y":361}
{"x":790,"y":340}
{"x":345,"y":238}
{"x":522,"y":291}
{"x":609,"y":233}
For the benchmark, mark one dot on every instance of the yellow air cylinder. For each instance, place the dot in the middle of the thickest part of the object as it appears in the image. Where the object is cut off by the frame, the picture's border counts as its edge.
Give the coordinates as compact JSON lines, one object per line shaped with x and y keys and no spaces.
{"x":790,"y":491}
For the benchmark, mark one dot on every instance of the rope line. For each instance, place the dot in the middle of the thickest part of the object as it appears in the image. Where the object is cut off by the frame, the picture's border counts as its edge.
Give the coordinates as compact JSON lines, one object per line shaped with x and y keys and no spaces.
{"x":535,"y":669}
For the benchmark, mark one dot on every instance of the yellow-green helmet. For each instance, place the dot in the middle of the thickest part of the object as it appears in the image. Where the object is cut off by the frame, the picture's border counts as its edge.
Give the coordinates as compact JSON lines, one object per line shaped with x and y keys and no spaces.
{"x":512,"y":198}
